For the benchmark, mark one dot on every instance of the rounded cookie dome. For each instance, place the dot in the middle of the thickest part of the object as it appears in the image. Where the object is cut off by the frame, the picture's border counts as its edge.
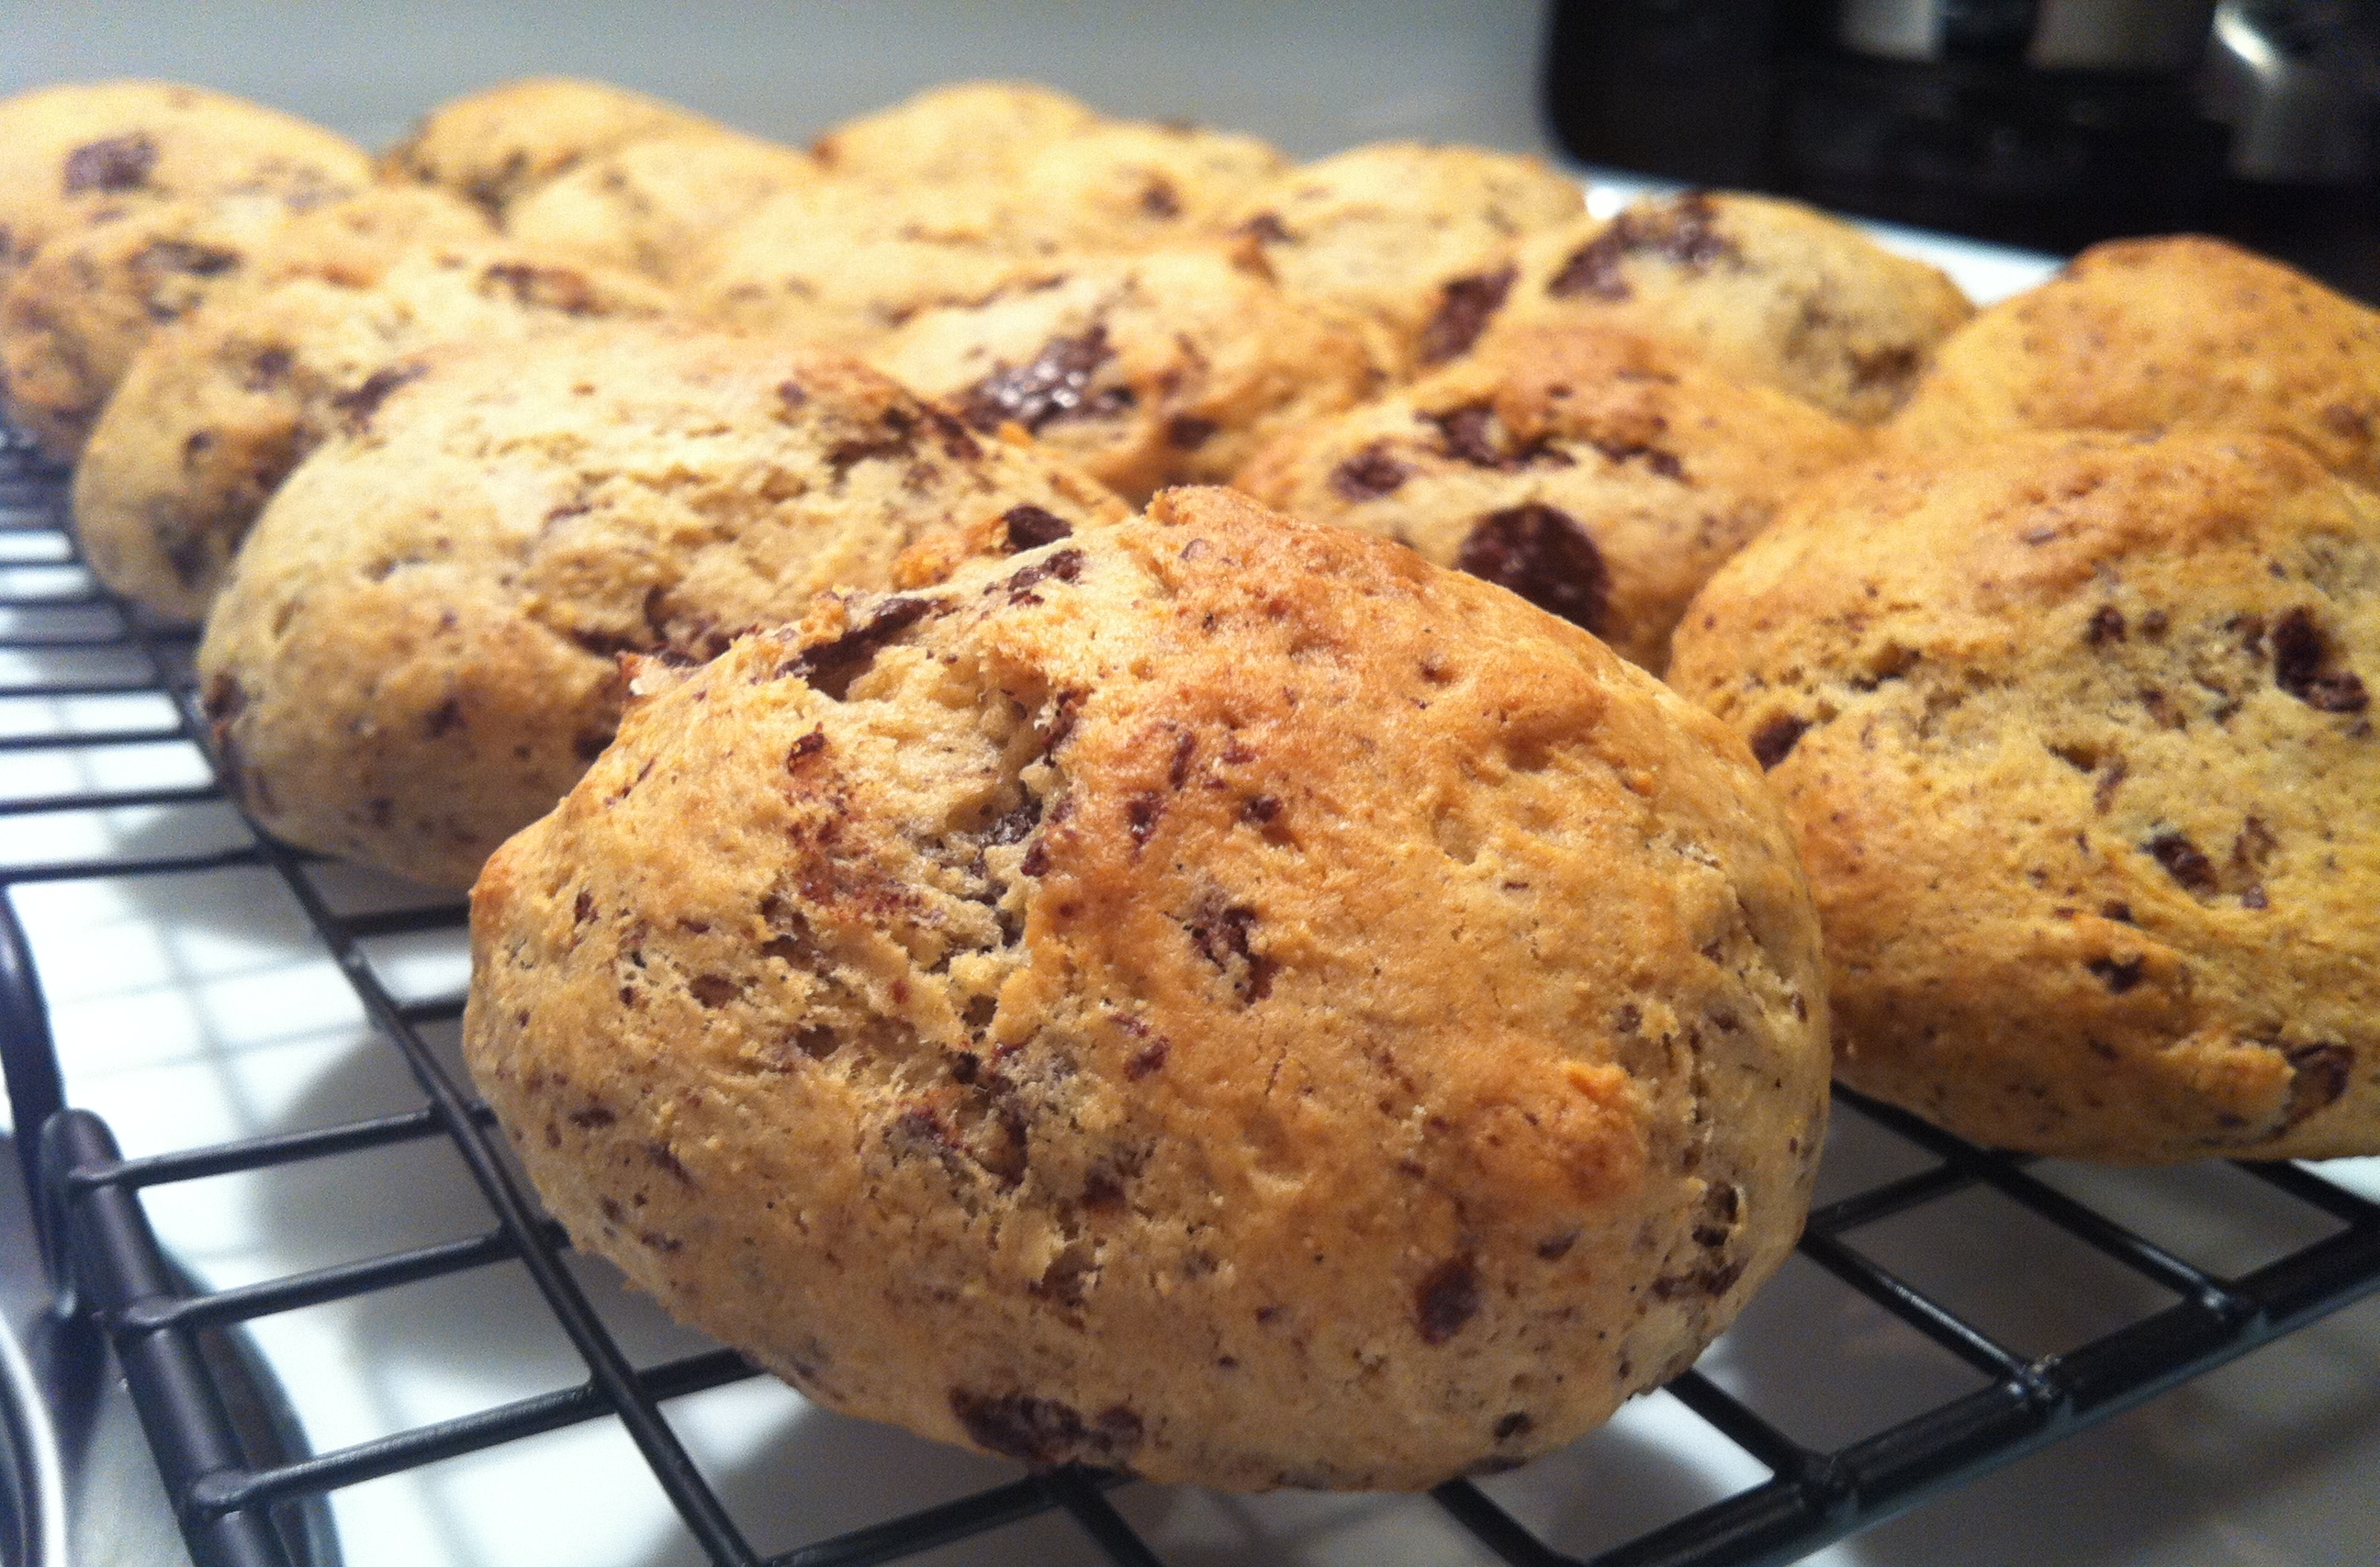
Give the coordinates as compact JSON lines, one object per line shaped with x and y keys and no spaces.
{"x":2076,"y":734}
{"x":1218,"y":996}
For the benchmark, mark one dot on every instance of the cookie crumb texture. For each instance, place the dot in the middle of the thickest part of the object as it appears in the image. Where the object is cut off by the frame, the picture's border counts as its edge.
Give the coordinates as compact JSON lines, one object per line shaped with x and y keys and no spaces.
{"x":1217,"y":996}
{"x":417,"y":653}
{"x":2078,"y":733}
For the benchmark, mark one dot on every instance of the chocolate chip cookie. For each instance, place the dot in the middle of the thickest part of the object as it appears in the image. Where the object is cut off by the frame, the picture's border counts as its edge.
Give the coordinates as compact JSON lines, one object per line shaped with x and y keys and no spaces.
{"x":1411,"y":238}
{"x":1218,"y":997}
{"x":1131,"y":185}
{"x":494,"y":146}
{"x":1165,"y":368}
{"x":217,"y":409}
{"x":84,"y":153}
{"x":1766,"y":290}
{"x":1600,"y":474}
{"x":418,"y":651}
{"x":2077,"y":731}
{"x":2173,"y":333}
{"x":959,"y":134}
{"x":654,"y":206}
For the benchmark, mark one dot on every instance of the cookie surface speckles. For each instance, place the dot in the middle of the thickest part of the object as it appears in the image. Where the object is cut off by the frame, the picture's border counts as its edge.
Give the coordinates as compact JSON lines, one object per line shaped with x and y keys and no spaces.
{"x":1769,"y":291}
{"x":2172,"y":334}
{"x":417,"y":651}
{"x":1599,"y":475}
{"x":217,"y":409}
{"x":2078,"y":733}
{"x":1217,"y":996}
{"x":1169,"y":367}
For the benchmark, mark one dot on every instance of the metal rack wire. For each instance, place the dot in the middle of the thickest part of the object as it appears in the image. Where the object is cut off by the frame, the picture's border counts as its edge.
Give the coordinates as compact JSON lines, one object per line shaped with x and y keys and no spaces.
{"x":238,"y":1509}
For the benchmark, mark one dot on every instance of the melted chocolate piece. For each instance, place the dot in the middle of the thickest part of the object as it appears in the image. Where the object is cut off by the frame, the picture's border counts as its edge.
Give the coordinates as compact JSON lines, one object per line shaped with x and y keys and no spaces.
{"x":119,"y":163}
{"x":1029,"y":527}
{"x":2302,"y":657}
{"x":1044,"y":1432}
{"x":1447,"y":1297}
{"x":1775,"y":740}
{"x":1545,"y":557}
{"x":831,"y":667}
{"x":1463,"y":311}
{"x":1369,"y":474}
{"x":1679,"y":231}
{"x":1055,"y":384}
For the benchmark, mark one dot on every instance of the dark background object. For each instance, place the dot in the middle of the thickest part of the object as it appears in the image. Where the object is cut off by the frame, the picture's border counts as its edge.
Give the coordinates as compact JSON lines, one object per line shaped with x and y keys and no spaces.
{"x":2050,"y":124}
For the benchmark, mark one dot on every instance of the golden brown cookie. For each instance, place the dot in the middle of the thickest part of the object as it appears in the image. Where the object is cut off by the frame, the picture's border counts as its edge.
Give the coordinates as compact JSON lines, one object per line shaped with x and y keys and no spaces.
{"x":957,"y":134}
{"x":1164,"y":368}
{"x":2078,"y":735}
{"x":1402,"y":235}
{"x":842,"y":264}
{"x":1766,"y":290}
{"x":2175,"y":333}
{"x":217,"y":409}
{"x":84,"y":153}
{"x":655,"y":206}
{"x":418,"y":650}
{"x":78,"y":312}
{"x":1218,"y":997}
{"x":1132,"y":185}
{"x":1600,"y":474}
{"x":494,"y":146}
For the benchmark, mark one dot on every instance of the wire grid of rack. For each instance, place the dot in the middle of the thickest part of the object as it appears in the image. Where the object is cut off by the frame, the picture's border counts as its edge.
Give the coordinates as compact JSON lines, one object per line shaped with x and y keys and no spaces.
{"x":238,"y":1509}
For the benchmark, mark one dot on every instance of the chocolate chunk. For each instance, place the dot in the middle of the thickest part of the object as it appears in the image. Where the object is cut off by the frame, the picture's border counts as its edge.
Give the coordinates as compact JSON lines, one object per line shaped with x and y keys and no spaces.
{"x":896,"y":440}
{"x":1187,"y":432}
{"x":957,"y":444}
{"x":664,"y":1157}
{"x":544,"y":288}
{"x":1469,"y":434}
{"x":1017,"y":825}
{"x":2183,"y":861}
{"x":2301,"y":655}
{"x":1066,"y":565}
{"x":1158,"y":200}
{"x":1045,"y":1432}
{"x":357,"y":404}
{"x":592,"y":1117}
{"x":444,"y":719}
{"x":831,"y":667}
{"x":1516,"y":1424}
{"x":1545,"y":557}
{"x":714,"y":989}
{"x":1177,"y":772}
{"x":1261,"y":809}
{"x":2118,"y":974}
{"x":1775,"y":740}
{"x":119,"y":163}
{"x":267,"y":370}
{"x":1883,"y":366}
{"x":2106,"y":625}
{"x":2320,"y":1076}
{"x":1140,"y":815}
{"x":1678,"y":231}
{"x":1447,"y":1297}
{"x":1221,"y":936}
{"x":1055,"y":384}
{"x":1265,"y":229}
{"x":2117,"y":910}
{"x":178,"y":255}
{"x":1150,"y":1059}
{"x":1553,"y":1248}
{"x":1463,"y":311}
{"x":1369,"y":474}
{"x":1029,"y":527}
{"x":1714,"y":1280}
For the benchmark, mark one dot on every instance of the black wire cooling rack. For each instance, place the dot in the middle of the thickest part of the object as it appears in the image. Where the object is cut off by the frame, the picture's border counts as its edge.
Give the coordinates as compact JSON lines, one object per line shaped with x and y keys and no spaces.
{"x":239,"y":1509}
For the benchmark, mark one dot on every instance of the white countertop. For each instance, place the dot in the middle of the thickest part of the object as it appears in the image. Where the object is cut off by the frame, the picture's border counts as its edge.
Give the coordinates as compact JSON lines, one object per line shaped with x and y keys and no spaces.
{"x":198,"y":1009}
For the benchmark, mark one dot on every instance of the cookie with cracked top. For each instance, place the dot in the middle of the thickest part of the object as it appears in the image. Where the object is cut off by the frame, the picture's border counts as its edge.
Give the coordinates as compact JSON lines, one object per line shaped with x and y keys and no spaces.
{"x":1169,"y":367}
{"x":1600,"y":474}
{"x":1217,"y":997}
{"x":2182,"y":333}
{"x":217,"y":409}
{"x":655,"y":206}
{"x":2078,"y":734}
{"x":1413,"y":238}
{"x":960,"y":133}
{"x":418,"y":650}
{"x":494,"y":146}
{"x":1767,"y":290}
{"x":89,"y":153}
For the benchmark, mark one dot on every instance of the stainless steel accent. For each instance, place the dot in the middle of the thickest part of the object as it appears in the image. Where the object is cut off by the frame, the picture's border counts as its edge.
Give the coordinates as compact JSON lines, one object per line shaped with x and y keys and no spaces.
{"x":2298,"y":83}
{"x":2152,"y":36}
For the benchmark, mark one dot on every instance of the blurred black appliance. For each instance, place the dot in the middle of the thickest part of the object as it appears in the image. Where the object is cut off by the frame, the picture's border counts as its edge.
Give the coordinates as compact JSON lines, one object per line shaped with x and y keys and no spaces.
{"x":2043,"y":122}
